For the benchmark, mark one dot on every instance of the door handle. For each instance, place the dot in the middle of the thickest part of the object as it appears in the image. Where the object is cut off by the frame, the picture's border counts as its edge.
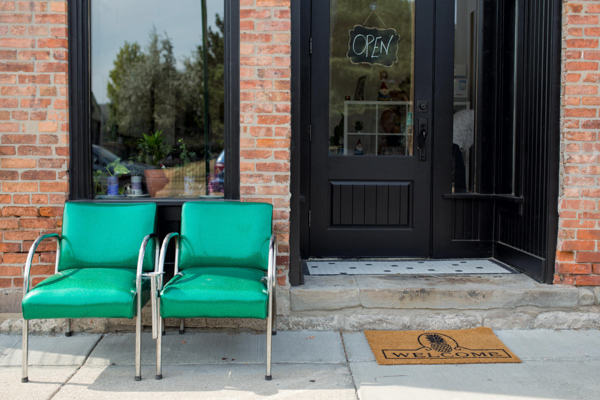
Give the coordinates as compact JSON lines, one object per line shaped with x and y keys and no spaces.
{"x":422,"y":137}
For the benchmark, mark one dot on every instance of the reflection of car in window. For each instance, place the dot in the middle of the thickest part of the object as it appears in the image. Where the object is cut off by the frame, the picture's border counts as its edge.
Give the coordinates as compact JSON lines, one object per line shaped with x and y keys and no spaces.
{"x":102,"y":157}
{"x":217,"y":180}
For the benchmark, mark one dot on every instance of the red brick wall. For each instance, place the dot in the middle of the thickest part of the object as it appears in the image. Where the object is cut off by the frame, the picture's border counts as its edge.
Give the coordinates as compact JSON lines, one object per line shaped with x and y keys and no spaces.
{"x":265,"y":113}
{"x":33,"y":132}
{"x":578,"y":255}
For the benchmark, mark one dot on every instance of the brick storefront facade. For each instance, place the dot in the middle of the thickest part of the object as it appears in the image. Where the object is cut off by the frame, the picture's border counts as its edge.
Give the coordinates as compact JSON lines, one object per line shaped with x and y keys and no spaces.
{"x":265,"y":71}
{"x":578,"y":254}
{"x":34,"y":131}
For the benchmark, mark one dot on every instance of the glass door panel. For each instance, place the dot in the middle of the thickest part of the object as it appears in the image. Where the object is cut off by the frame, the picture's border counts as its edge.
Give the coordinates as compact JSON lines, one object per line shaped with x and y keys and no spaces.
{"x":371,"y":78}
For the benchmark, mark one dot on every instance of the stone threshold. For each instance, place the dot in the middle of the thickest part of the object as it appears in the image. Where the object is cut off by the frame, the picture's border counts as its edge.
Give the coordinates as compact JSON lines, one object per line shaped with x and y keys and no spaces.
{"x":512,"y":301}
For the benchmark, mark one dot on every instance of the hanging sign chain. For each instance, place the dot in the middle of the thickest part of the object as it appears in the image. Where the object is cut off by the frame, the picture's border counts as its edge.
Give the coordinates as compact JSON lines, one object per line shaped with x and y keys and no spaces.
{"x":373,"y":7}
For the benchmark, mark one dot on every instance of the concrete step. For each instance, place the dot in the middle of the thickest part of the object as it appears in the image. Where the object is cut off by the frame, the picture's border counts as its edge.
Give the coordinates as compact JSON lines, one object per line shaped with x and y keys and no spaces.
{"x":433,"y":292}
{"x":511,"y":301}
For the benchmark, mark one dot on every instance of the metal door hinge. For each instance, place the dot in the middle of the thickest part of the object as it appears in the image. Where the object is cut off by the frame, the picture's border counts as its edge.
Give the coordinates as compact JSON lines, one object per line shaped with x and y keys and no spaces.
{"x":310,"y":46}
{"x":309,"y":218}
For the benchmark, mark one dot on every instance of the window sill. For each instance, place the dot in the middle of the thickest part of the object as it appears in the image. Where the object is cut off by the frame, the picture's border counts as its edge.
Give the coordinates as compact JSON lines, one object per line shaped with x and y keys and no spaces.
{"x":165,"y":201}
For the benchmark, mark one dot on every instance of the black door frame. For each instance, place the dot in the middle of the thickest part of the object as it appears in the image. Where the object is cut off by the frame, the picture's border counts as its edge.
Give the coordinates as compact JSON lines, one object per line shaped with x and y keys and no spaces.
{"x":300,"y":144}
{"x":443,"y":245}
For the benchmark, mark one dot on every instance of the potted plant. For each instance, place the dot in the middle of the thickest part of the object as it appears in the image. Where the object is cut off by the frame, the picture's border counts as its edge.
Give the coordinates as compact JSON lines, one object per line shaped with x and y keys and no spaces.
{"x":335,"y":141}
{"x":100,"y":182}
{"x":118,"y":169}
{"x":153,"y":149}
{"x":136,"y":178}
{"x":188,"y":178}
{"x":358,"y":126}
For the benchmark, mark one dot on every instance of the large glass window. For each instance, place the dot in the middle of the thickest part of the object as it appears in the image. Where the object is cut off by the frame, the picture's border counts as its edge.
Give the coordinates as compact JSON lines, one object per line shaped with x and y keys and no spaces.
{"x":158,"y":95}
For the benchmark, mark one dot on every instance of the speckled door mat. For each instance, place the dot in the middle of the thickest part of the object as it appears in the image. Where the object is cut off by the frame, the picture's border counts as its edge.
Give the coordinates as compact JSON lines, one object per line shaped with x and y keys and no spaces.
{"x":462,"y":346}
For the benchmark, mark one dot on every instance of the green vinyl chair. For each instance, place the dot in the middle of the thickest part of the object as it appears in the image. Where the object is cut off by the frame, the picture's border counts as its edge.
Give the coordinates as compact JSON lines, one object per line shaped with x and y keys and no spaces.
{"x":101,"y":258}
{"x":224,"y":268}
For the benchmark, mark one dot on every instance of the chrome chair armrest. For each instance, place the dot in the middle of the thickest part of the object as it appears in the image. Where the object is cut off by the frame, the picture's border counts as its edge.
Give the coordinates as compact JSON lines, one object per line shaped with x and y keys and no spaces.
{"x":272,"y":269}
{"x":138,"y":278}
{"x":157,"y":283}
{"x":30,"y":255}
{"x":140,"y":263}
{"x":163,"y":254}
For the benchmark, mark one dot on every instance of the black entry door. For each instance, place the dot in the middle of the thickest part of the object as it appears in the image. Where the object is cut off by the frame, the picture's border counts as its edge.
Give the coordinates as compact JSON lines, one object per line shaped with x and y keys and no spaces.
{"x":371,"y":130}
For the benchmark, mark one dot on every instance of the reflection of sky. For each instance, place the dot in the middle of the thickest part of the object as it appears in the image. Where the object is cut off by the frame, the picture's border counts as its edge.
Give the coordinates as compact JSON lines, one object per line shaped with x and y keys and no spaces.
{"x":117,"y":21}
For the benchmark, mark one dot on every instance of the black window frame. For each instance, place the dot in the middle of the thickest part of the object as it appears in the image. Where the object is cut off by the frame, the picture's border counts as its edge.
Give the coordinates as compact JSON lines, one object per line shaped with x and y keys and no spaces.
{"x":80,"y":146}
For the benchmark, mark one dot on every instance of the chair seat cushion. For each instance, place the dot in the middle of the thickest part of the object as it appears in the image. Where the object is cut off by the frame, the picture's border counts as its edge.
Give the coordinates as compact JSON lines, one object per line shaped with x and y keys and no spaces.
{"x":85,"y":293}
{"x":210,"y":292}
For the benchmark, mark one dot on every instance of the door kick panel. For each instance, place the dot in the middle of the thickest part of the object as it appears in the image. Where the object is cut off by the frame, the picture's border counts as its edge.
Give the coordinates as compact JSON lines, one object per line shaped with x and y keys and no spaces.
{"x":371,"y":203}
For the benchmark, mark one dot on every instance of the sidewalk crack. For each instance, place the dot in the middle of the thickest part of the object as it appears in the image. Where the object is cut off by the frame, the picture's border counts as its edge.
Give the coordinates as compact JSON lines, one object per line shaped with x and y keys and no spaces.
{"x":87,"y":356}
{"x":348,"y":365}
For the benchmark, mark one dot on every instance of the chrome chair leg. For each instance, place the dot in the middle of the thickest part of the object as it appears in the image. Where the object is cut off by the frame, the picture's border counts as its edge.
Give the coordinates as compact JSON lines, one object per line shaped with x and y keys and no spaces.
{"x":25,"y":375}
{"x":181,"y":326}
{"x":138,"y":347}
{"x":68,"y":328}
{"x":268,"y":377}
{"x":274,"y":314}
{"x":159,"y":347}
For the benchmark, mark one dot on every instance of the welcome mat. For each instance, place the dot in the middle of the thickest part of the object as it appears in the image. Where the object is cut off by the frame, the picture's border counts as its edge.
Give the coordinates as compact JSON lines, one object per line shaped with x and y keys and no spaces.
{"x":462,"y":346}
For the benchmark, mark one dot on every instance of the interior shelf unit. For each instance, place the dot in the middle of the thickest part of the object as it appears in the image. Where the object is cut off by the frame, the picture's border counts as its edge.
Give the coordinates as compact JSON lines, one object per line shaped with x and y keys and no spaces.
{"x":369,"y":113}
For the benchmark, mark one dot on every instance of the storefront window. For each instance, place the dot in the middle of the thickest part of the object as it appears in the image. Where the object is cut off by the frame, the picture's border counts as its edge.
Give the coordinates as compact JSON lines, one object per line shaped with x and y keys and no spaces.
{"x":157,"y":103}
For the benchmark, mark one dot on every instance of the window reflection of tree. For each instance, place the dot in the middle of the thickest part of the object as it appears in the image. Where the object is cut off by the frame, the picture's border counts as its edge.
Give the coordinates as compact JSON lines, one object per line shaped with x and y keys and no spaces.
{"x":149,"y":91}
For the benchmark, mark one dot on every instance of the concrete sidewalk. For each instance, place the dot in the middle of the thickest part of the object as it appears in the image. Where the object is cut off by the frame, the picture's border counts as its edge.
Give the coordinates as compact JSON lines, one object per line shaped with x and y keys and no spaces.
{"x":307,"y":365}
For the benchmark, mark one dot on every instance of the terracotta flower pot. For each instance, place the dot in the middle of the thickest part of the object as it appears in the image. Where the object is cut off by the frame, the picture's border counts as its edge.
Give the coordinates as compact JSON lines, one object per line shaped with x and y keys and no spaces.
{"x":156,"y":180}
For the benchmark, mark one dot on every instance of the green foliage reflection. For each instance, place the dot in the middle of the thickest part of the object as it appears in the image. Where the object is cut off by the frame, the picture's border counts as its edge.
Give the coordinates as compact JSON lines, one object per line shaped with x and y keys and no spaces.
{"x":149,"y":92}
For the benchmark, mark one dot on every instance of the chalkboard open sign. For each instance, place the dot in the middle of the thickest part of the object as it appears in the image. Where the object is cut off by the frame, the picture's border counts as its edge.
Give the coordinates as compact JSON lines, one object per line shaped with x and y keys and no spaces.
{"x":373,"y":46}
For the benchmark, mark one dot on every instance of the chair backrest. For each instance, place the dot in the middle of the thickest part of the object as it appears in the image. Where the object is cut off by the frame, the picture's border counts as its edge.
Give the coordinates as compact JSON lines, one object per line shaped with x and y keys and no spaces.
{"x":106,"y":235}
{"x":225,"y":234}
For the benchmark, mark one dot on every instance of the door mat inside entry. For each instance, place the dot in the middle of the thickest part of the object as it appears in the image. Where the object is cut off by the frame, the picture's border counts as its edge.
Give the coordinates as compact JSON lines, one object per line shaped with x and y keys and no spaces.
{"x":462,"y":346}
{"x":409,"y":267}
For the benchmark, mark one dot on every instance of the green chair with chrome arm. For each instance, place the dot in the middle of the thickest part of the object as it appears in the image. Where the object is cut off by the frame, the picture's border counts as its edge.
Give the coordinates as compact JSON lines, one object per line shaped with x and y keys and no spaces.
{"x":224,"y":267}
{"x":101,"y":260}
